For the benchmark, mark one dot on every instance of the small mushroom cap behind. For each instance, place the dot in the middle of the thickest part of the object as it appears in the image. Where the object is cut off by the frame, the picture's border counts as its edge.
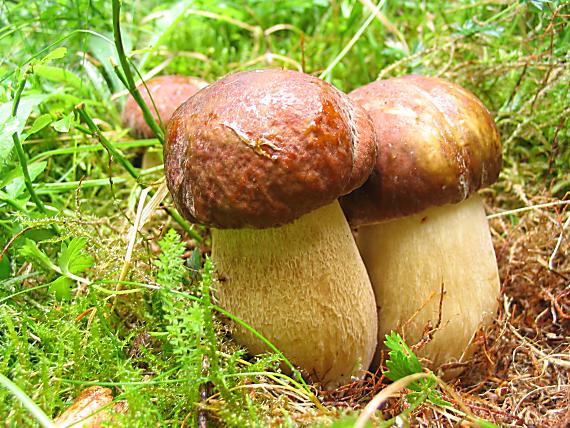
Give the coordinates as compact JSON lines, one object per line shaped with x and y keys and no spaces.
{"x":437,"y":144}
{"x":168,"y":92}
{"x":261,"y":148}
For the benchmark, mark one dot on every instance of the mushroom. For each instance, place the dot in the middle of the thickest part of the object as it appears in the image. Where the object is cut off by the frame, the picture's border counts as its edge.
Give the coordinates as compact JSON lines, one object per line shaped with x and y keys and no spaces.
{"x":167,"y":93}
{"x":93,"y":408}
{"x":261,"y":157}
{"x":421,"y":226}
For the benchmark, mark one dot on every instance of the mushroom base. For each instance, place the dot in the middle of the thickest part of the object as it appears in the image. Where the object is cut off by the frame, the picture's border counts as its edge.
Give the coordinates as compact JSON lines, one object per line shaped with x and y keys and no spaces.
{"x":409,"y":261}
{"x":304,"y":287}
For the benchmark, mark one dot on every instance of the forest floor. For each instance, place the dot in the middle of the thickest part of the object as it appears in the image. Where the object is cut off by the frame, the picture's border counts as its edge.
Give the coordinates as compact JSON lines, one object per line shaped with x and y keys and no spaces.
{"x":100,"y":286}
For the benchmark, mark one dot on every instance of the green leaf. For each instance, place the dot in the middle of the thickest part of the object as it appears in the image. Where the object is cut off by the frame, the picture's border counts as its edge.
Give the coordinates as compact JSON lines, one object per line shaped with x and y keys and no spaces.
{"x":194,"y":263}
{"x":25,"y":107}
{"x":57,"y":53}
{"x":14,"y":182}
{"x":97,"y":80}
{"x":402,"y":360}
{"x":30,"y":249}
{"x":72,"y":258}
{"x":5,"y":270}
{"x":15,"y":125}
{"x":485,"y":424}
{"x":40,"y":123}
{"x":64,"y":124}
{"x":62,"y":288}
{"x":20,"y":203}
{"x":58,"y":74}
{"x":104,"y":51}
{"x":7,"y":129}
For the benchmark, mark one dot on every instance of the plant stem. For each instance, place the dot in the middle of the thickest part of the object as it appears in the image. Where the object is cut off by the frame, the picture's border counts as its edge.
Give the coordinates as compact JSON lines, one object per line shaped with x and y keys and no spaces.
{"x":128,"y":75}
{"x":149,"y":119}
{"x":20,"y":149}
{"x":94,"y":130}
{"x":32,"y":407}
{"x":352,"y":41}
{"x":183,"y":223}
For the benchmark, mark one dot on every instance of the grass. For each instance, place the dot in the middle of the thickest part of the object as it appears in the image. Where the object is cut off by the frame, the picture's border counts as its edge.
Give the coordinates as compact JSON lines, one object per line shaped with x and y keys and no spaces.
{"x":156,"y":339}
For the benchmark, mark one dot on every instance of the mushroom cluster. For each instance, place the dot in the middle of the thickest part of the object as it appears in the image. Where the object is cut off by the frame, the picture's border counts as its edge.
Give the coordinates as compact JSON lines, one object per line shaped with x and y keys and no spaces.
{"x":262,"y":156}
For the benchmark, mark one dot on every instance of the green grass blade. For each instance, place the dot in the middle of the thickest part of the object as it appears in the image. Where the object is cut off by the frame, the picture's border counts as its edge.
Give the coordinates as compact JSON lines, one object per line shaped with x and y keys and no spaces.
{"x":28,"y":403}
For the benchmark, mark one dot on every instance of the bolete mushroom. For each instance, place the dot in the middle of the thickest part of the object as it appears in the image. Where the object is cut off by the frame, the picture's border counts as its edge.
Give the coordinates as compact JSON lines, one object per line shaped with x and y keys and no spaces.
{"x":421,"y":226}
{"x":261,"y":157}
{"x":162,"y":95}
{"x":167,"y":93}
{"x":93,"y":408}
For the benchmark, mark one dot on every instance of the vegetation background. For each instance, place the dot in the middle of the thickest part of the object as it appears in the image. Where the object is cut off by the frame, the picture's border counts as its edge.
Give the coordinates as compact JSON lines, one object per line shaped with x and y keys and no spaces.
{"x":86,"y":300}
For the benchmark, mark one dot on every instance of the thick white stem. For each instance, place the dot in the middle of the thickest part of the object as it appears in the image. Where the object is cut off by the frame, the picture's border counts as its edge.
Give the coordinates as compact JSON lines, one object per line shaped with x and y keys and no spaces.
{"x":410,"y":259}
{"x":305,"y":288}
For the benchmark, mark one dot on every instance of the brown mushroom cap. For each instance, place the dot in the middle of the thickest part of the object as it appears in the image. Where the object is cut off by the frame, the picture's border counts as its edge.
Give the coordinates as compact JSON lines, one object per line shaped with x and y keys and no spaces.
{"x":437,"y":144}
{"x":261,"y":148}
{"x":168,"y":92}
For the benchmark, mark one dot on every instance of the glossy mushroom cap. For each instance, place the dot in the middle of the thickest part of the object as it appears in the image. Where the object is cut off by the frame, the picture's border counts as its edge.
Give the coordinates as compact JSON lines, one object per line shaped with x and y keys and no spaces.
{"x":261,"y":148}
{"x":437,"y":144}
{"x":168,"y":92}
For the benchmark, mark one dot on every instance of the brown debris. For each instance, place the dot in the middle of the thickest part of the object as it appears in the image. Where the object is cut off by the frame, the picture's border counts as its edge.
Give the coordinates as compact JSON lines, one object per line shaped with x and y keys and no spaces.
{"x":91,"y":409}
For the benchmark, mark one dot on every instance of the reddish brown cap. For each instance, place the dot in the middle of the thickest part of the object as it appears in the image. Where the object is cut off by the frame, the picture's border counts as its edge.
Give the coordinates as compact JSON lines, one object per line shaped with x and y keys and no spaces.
{"x":437,"y":144}
{"x":168,"y":92}
{"x":261,"y":148}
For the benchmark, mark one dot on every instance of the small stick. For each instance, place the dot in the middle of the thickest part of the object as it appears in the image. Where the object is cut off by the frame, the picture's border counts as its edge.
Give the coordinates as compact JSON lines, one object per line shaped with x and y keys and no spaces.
{"x":383,"y":396}
{"x":558,"y":243}
{"x":530,"y":208}
{"x":204,"y":393}
{"x":11,"y":241}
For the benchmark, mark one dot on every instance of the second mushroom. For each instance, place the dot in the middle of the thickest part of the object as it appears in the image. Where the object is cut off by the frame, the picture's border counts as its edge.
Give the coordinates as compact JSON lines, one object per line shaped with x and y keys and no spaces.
{"x":422,"y":230}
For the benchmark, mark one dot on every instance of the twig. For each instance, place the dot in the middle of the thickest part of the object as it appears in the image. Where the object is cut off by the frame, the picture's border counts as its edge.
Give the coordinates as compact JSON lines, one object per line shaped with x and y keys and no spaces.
{"x":383,"y":396}
{"x":132,"y":237}
{"x":558,"y":243}
{"x":12,"y":239}
{"x":541,"y":354}
{"x":144,"y":212}
{"x":529,"y":208}
{"x":430,"y":330}
{"x":204,"y":392}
